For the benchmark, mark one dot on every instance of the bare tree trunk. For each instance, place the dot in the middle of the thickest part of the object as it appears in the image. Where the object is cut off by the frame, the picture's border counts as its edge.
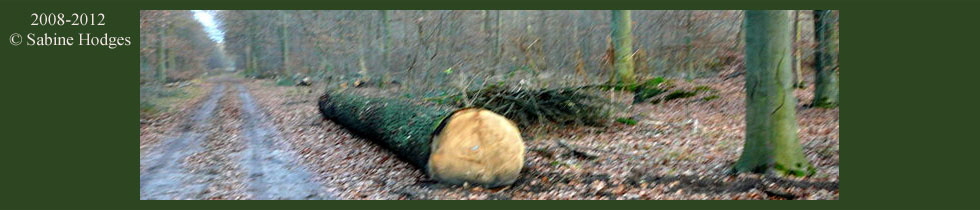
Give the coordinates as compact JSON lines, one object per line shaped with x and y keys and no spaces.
{"x":826,"y":93}
{"x":622,"y":36}
{"x":771,"y":142}
{"x":248,"y":60}
{"x":171,"y":59}
{"x":491,"y":50}
{"x":161,"y":56}
{"x":580,"y":49}
{"x":362,"y":41}
{"x":689,"y":66}
{"x":285,"y":47}
{"x":797,"y":55}
{"x":496,"y":42}
{"x":385,"y":40}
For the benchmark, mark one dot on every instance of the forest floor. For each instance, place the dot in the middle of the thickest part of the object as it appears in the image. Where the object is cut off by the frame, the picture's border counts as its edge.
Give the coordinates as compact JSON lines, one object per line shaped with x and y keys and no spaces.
{"x":681,"y":149}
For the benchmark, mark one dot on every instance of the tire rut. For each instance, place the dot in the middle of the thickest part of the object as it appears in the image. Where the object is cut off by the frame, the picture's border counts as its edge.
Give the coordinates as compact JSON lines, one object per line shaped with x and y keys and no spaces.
{"x":216,"y":164}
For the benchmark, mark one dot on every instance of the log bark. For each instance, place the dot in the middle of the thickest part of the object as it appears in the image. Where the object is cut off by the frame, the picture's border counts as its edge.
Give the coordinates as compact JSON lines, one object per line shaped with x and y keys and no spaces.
{"x":469,"y":145}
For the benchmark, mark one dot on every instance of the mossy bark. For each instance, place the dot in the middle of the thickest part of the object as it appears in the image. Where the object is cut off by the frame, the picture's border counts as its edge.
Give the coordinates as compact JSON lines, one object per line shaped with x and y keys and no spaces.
{"x":827,"y":89}
{"x":622,"y":40}
{"x":771,"y":131}
{"x":401,"y":126}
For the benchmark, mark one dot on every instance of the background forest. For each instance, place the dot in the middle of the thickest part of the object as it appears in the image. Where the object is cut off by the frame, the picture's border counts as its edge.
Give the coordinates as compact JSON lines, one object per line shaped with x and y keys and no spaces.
{"x":428,"y":50}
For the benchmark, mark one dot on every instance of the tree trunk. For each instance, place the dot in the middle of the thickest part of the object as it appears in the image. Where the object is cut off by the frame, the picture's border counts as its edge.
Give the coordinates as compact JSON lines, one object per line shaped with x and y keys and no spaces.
{"x":362,"y":40}
{"x":689,"y":66}
{"x":584,"y":42}
{"x":385,"y":40}
{"x":490,"y":28}
{"x":740,"y":34}
{"x":496,"y":41}
{"x":826,"y":94}
{"x":247,"y":61}
{"x":771,"y":141}
{"x":623,"y":44}
{"x":161,"y":56}
{"x":254,"y":62}
{"x":471,"y":145}
{"x":797,"y":54}
{"x":285,"y":47}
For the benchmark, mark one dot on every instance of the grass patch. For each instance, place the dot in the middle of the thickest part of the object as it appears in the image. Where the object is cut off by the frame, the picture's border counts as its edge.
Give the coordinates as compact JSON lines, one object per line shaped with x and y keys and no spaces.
{"x":157,"y":100}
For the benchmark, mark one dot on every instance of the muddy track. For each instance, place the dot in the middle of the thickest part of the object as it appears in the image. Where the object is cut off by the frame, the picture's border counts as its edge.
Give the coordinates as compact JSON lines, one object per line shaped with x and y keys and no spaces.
{"x":164,"y":177}
{"x":226,"y":149}
{"x":274,"y":171}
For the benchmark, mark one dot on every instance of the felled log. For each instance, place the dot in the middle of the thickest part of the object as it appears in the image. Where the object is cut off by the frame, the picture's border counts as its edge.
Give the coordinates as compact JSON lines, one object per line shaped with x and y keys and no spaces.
{"x":454,"y":146}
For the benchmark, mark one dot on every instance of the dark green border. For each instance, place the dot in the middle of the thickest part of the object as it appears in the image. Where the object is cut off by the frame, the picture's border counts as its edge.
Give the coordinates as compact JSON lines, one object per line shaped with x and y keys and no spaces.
{"x":66,"y":112}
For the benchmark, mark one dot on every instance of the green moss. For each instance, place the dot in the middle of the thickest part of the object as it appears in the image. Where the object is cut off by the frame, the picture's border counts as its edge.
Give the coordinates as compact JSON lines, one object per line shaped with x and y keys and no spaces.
{"x":702,"y":88}
{"x":646,"y":93}
{"x":626,"y":120}
{"x":710,"y":98}
{"x":801,"y":170}
{"x":826,"y":104}
{"x":678,"y":94}
{"x":648,"y":89}
{"x":285,"y":82}
{"x":654,"y":82}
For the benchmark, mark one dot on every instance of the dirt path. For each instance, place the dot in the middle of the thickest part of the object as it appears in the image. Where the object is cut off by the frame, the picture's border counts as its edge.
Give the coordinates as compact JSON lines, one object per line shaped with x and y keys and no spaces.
{"x":274,"y":173}
{"x":164,"y":178}
{"x":226,"y":149}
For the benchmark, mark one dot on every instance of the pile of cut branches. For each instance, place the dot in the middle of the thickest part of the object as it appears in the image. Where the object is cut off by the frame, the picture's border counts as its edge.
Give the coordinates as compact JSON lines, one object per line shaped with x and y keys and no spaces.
{"x":583,"y":105}
{"x":526,"y":106}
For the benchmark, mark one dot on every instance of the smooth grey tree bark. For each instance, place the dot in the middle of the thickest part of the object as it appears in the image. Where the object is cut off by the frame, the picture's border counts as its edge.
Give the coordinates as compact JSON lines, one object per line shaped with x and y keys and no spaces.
{"x":622,"y":38}
{"x":771,"y":142}
{"x":827,"y":91}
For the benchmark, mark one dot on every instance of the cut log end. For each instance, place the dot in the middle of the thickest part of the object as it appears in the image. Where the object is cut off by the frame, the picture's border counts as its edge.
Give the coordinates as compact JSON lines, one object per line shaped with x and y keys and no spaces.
{"x":477,"y":146}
